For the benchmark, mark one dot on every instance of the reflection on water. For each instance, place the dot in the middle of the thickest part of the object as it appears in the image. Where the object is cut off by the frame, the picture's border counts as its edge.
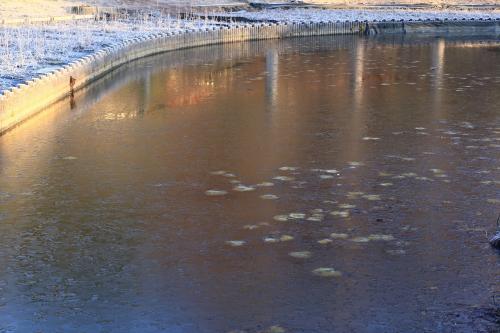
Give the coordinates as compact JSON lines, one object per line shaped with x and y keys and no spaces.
{"x":308,"y":185}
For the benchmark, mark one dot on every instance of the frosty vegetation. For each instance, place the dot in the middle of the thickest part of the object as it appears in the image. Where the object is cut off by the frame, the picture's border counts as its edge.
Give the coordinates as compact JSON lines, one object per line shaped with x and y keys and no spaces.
{"x":29,"y":51}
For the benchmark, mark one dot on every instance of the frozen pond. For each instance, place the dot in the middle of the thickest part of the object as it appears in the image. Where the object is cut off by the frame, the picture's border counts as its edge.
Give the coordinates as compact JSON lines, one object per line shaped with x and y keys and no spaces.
{"x":338,"y":184}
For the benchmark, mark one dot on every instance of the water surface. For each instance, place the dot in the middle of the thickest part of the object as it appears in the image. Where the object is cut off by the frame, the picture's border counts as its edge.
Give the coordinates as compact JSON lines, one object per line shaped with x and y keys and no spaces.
{"x":106,"y":225}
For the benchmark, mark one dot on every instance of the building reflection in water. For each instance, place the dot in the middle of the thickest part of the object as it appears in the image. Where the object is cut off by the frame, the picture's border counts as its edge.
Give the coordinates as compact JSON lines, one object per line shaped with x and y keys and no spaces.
{"x":438,"y":63}
{"x":357,"y":122}
{"x":272,"y":69}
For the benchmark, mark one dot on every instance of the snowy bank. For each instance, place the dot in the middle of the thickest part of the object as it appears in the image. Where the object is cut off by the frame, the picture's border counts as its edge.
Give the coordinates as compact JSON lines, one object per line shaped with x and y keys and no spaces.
{"x":29,"y":51}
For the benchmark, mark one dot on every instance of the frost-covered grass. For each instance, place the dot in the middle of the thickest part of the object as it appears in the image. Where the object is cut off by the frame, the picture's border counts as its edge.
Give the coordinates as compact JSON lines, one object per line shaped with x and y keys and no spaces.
{"x":318,"y":15}
{"x":29,"y":51}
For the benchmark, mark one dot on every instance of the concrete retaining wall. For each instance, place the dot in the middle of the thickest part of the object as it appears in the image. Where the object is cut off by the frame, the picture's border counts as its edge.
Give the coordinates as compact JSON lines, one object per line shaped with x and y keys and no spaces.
{"x":25,"y":100}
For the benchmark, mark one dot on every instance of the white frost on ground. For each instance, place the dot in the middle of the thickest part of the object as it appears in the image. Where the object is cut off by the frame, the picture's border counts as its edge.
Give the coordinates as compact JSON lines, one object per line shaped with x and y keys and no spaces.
{"x":29,"y":51}
{"x":319,"y":15}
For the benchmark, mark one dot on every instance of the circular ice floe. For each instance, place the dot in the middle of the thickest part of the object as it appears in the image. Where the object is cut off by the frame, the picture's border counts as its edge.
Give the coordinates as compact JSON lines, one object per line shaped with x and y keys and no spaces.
{"x":250,"y":226}
{"x":441,"y":175}
{"x":284,"y":178}
{"x":410,"y":174}
{"x":327,"y":272}
{"x":215,"y":193}
{"x":360,"y":239}
{"x":341,"y":213}
{"x":218,"y":173}
{"x":380,"y":237}
{"x":271,"y":239}
{"x":275,"y":329}
{"x":297,"y":216}
{"x":384,"y":174}
{"x":346,"y":206}
{"x":316,"y":218}
{"x":281,"y":218}
{"x":396,"y":252}
{"x":275,"y":239}
{"x":236,"y":243}
{"x":265,"y":184}
{"x":269,"y":197}
{"x":372,"y":197}
{"x":339,"y":235}
{"x":288,"y":168}
{"x":243,"y":188}
{"x":286,"y":238}
{"x":300,"y":254}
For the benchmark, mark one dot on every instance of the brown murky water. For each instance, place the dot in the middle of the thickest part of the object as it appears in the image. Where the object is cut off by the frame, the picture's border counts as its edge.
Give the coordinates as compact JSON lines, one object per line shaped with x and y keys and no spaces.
{"x":313,"y":185}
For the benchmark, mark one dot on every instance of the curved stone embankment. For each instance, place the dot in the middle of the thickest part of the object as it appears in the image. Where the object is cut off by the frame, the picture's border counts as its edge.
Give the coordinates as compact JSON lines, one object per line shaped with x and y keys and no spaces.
{"x":25,"y":100}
